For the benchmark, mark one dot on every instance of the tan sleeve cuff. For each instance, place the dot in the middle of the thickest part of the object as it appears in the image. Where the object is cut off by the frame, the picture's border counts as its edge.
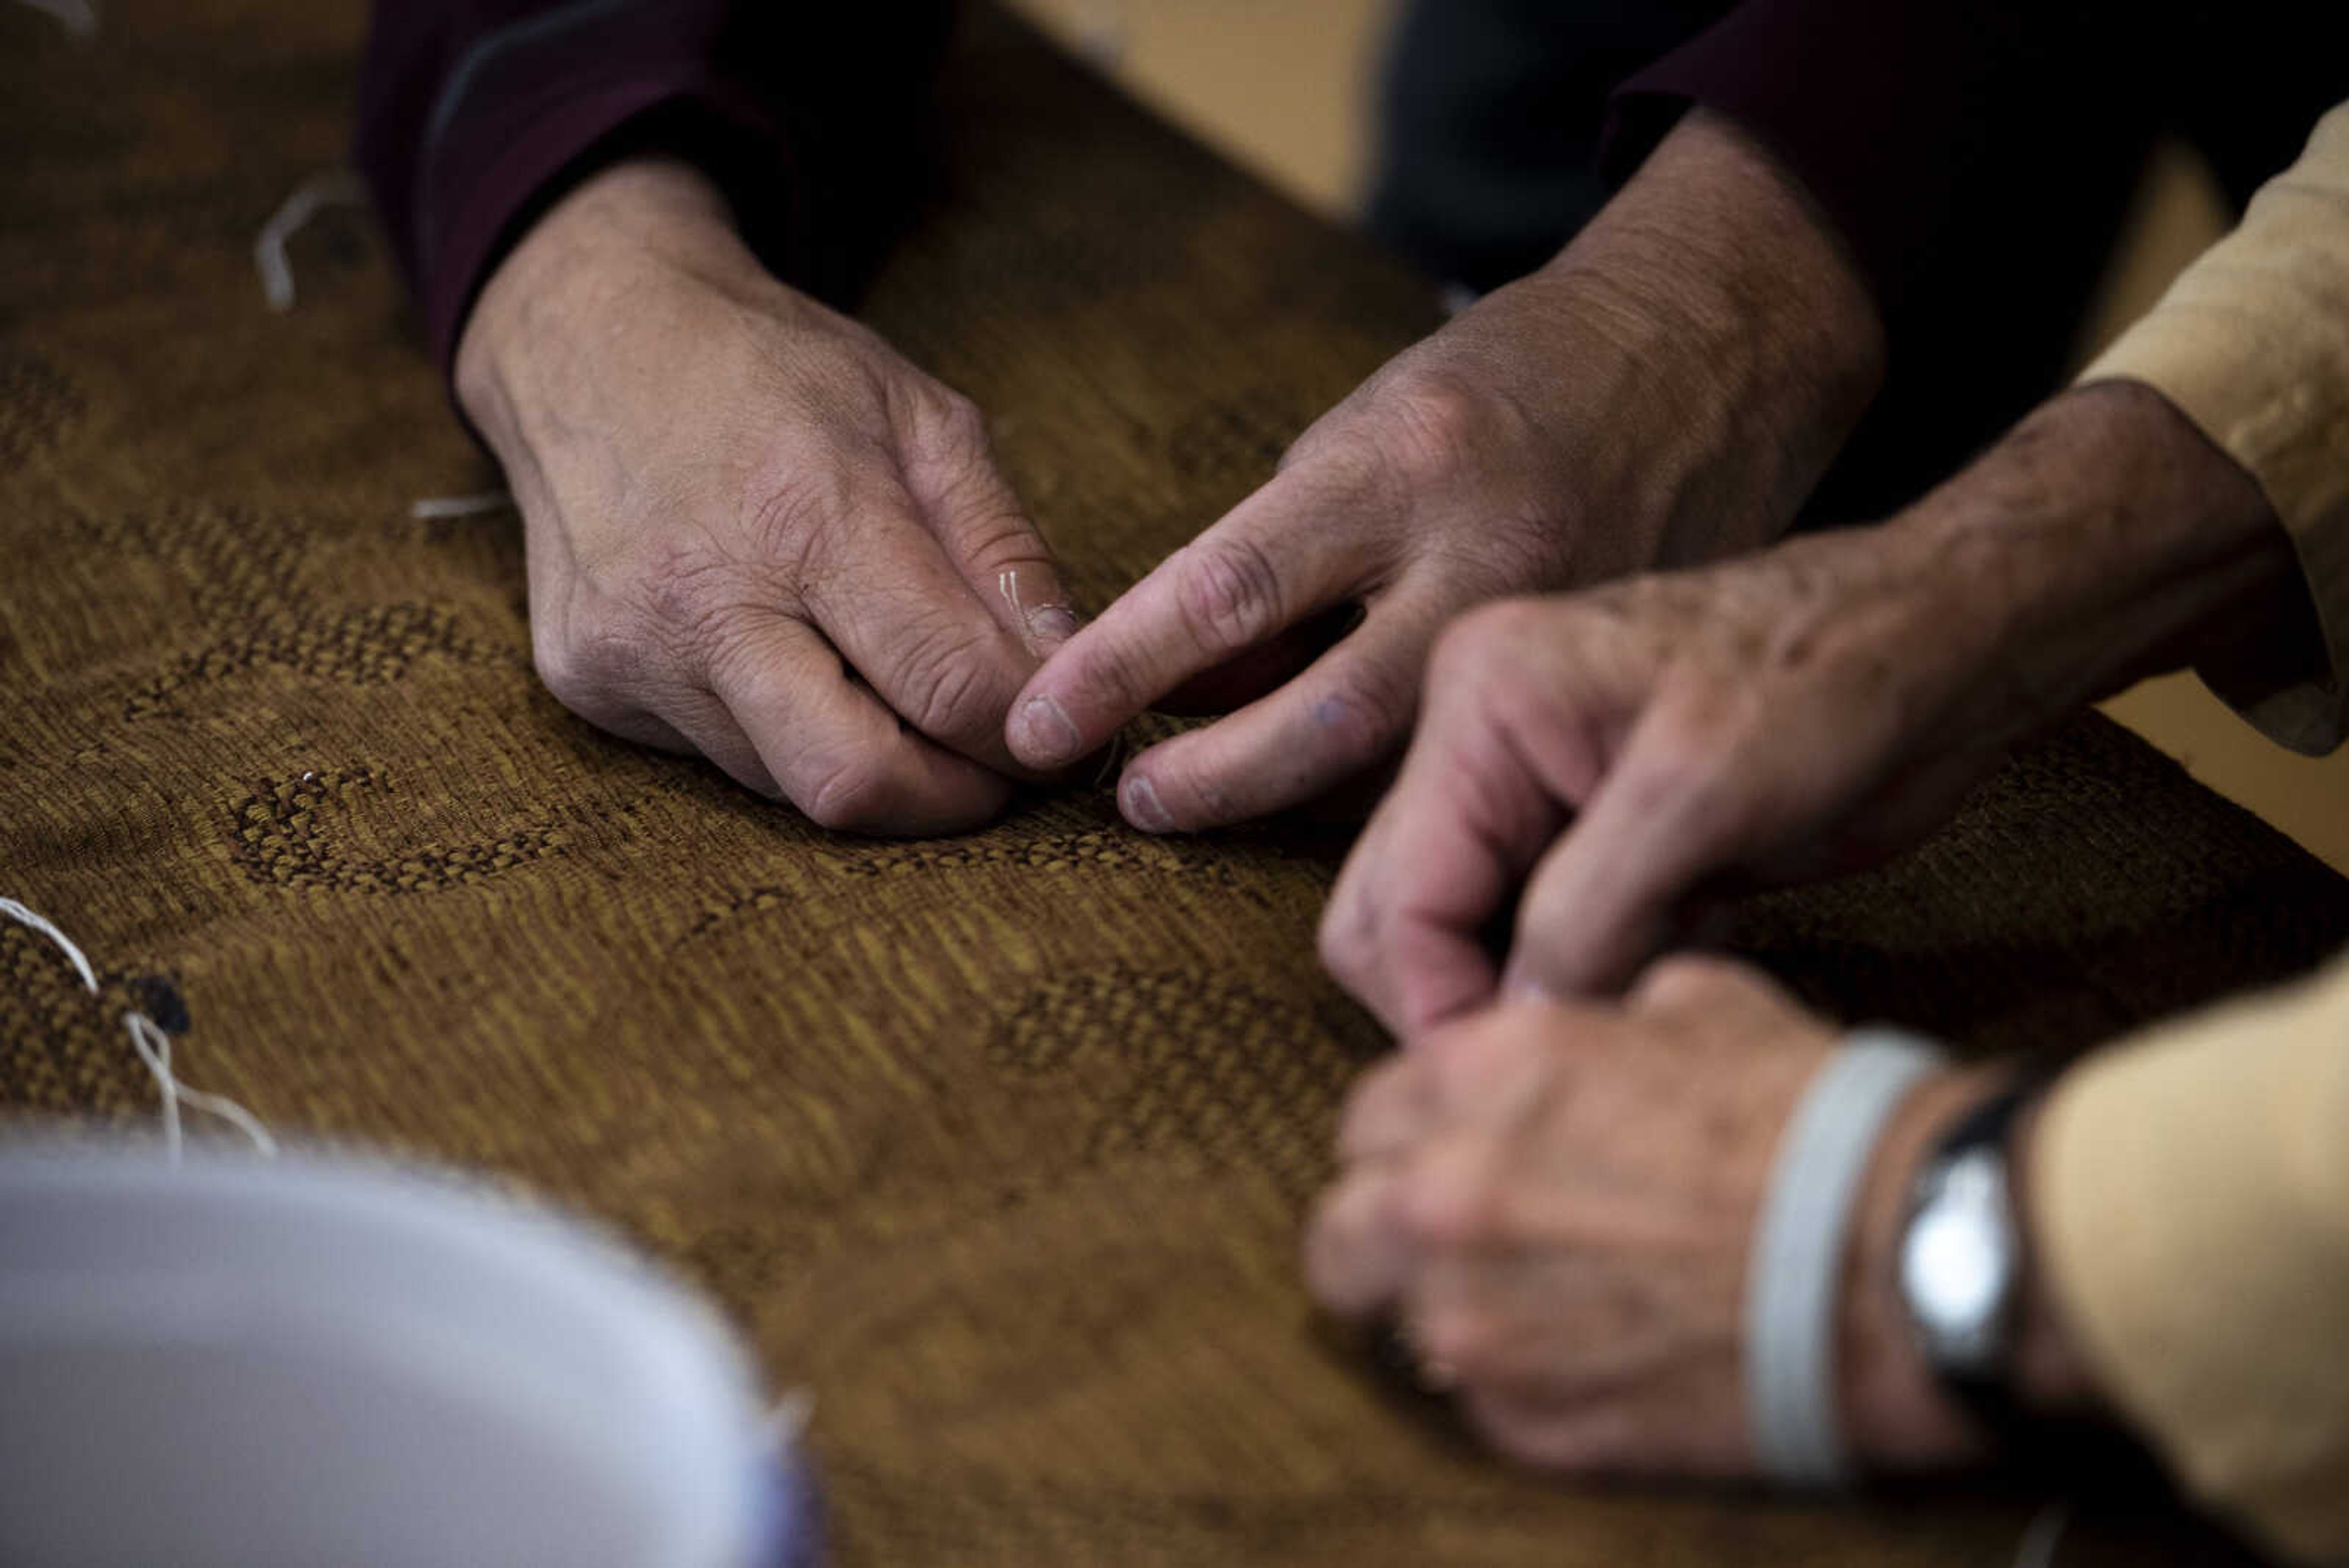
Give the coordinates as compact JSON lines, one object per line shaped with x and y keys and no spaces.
{"x":2251,"y":343}
{"x":2190,"y":1195}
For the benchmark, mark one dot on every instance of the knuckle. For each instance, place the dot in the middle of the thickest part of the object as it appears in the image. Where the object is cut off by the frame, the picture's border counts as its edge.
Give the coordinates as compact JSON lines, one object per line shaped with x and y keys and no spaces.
{"x":944,"y":410}
{"x":680,"y":594}
{"x":1435,"y":425}
{"x":560,"y":670}
{"x":849,"y":797}
{"x":993,"y":535}
{"x":946,"y":429}
{"x":1699,"y":765}
{"x":787,"y":520}
{"x":962,"y":422}
{"x":1682,"y":755}
{"x":1455,"y":1206}
{"x":1693,"y":983}
{"x":1483,"y":641}
{"x":1467,"y":1338}
{"x":943,"y":683}
{"x":1229,"y":592}
{"x":1684,"y":976}
{"x":592,"y":661}
{"x":1346,"y":937}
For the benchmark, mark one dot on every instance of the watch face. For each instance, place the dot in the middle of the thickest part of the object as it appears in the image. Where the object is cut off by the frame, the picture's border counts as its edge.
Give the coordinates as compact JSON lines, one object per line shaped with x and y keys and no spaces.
{"x":1957,"y":1261}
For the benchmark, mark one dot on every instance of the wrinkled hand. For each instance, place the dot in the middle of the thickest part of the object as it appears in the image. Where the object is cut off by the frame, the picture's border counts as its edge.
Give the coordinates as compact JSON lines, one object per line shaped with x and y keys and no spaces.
{"x":1640,"y":399}
{"x":1556,"y":1202}
{"x":1615,"y":751}
{"x":1606,"y":760}
{"x":754,"y":532}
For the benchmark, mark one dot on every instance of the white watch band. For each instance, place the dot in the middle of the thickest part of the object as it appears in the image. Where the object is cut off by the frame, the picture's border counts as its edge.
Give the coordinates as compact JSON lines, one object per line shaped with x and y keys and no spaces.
{"x":1797,"y":1263}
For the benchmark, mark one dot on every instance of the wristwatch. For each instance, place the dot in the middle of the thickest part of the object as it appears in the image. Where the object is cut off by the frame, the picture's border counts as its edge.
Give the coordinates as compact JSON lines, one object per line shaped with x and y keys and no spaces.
{"x":1961,"y":1264}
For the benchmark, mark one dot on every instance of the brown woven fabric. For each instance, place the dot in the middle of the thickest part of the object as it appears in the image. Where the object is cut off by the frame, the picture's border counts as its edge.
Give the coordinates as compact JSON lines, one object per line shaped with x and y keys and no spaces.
{"x":999,"y":1144}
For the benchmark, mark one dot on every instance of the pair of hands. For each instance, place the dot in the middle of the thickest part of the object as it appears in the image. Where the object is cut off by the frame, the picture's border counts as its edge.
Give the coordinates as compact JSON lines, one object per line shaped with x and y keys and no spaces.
{"x":1554,"y":1202}
{"x":756,"y":533}
{"x":1557,"y":1196}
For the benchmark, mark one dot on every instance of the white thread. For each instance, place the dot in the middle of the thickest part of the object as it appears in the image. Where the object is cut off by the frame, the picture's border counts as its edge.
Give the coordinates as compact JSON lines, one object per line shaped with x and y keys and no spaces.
{"x":78,"y":17}
{"x":2044,"y":1535}
{"x":1112,"y":759}
{"x":154,"y":1048}
{"x":25,"y":916}
{"x":1006,"y":583}
{"x":333,"y":188}
{"x":435,"y":508}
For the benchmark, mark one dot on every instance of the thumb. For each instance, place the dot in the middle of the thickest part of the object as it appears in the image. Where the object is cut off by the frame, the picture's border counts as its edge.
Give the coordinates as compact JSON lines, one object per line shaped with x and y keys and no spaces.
{"x":988,"y":536}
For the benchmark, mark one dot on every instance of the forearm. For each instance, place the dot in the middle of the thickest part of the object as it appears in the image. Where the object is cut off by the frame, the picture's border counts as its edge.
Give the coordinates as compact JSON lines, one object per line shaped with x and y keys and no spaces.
{"x":2252,"y":344}
{"x":2105,"y":539}
{"x":1746,"y":345}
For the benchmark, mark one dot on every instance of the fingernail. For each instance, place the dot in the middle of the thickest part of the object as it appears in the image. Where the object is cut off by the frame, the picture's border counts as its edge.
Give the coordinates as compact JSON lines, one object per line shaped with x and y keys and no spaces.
{"x":1046,"y":737}
{"x":1053,"y":623}
{"x":1141,"y":808}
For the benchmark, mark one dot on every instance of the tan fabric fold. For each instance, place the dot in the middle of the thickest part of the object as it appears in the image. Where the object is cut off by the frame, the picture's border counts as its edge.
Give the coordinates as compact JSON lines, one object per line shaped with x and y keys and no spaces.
{"x":2253,"y":343}
{"x":2191,"y":1191}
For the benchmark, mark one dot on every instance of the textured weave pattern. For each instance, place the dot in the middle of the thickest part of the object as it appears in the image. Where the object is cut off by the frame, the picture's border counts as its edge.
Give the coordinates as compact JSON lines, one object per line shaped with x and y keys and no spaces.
{"x":999,"y":1144}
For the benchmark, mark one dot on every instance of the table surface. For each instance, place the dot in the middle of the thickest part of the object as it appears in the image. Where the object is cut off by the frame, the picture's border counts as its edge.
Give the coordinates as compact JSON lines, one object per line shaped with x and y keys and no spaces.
{"x":999,"y":1144}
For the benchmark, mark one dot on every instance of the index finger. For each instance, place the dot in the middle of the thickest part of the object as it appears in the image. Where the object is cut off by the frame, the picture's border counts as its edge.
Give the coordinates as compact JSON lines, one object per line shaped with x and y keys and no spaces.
{"x":1404,"y":927}
{"x":1277,"y":557}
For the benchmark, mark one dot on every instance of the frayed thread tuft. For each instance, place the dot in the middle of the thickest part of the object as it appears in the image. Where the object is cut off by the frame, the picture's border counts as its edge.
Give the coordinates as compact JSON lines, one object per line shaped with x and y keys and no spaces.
{"x":153,"y":1045}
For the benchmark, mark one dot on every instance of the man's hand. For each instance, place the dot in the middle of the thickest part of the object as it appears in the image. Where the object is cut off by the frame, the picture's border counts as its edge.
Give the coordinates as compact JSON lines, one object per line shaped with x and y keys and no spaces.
{"x":1605,"y":761}
{"x":1668,"y":389}
{"x":753,"y":531}
{"x":1556,"y":1203}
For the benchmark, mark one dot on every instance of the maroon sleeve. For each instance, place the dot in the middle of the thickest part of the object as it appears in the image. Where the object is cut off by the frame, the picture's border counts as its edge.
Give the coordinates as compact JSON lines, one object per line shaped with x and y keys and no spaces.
{"x":1929,"y":131}
{"x":1976,"y":158}
{"x":475,"y":114}
{"x":1941,"y":137}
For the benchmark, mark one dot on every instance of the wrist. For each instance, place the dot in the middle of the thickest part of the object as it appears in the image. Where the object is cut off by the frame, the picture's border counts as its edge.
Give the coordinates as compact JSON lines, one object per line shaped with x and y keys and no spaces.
{"x":1896,"y":1414}
{"x":1747,"y":343}
{"x":2102,"y":540}
{"x":1895,"y":1406}
{"x":639,"y":220}
{"x":2051,"y":1378}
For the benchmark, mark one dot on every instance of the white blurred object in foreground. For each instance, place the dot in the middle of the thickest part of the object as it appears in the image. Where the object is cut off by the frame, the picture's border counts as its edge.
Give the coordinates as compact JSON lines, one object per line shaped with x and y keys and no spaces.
{"x":318,"y":1360}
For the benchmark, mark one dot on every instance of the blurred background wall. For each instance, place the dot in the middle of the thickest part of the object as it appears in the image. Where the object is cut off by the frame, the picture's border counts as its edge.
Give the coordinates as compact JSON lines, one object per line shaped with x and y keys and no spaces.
{"x":1282,"y":87}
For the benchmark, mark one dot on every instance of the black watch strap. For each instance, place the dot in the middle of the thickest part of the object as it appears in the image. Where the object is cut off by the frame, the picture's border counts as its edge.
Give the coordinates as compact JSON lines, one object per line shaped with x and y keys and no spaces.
{"x":2084,"y":1450}
{"x":1987,"y":1394}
